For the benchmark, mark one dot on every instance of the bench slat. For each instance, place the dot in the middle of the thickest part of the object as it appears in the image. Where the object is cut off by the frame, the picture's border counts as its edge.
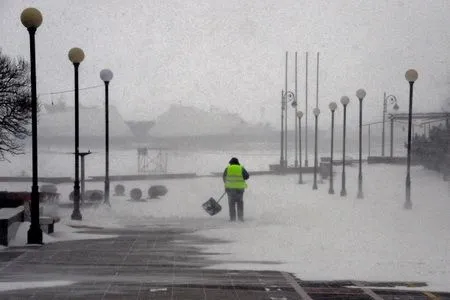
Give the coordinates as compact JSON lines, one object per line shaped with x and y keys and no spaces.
{"x":9,"y":216}
{"x":46,"y":220}
{"x":8,"y":212}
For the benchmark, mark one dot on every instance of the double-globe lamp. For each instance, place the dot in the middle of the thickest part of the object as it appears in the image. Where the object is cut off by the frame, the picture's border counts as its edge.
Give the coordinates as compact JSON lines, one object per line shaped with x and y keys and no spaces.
{"x":76,"y":56}
{"x":31,"y":18}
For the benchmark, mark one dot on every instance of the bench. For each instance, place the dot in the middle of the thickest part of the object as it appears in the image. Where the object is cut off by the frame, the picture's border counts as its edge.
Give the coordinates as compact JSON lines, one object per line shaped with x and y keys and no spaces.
{"x":10,"y":218}
{"x":48,"y":223}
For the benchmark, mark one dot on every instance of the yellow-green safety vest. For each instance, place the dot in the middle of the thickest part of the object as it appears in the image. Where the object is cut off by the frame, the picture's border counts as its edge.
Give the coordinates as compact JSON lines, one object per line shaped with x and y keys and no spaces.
{"x":234,"y":178}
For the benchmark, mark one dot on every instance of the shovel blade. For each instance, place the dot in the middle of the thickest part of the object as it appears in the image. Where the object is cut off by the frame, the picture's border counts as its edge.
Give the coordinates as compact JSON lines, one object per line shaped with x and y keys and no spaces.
{"x":212,"y":207}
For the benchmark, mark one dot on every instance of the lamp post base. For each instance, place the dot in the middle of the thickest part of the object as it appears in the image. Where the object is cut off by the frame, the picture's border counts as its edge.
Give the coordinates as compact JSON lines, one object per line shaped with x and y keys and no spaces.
{"x":343,"y":186}
{"x":76,"y":215}
{"x":407,"y":205}
{"x":360,"y":192}
{"x":315,"y":186}
{"x":106,"y":201}
{"x":34,"y":235}
{"x":331,"y":191}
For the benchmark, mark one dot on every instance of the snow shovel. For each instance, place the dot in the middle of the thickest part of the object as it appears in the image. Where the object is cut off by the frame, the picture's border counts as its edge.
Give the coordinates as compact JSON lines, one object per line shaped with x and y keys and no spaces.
{"x":212,"y":207}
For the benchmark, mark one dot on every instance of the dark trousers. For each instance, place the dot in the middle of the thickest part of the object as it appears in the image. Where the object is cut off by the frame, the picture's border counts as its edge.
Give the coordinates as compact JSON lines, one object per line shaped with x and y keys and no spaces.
{"x":236,"y":199}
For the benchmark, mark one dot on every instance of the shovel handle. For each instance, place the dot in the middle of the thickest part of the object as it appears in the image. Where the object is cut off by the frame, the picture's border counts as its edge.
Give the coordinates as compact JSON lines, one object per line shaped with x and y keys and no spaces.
{"x":221,"y":197}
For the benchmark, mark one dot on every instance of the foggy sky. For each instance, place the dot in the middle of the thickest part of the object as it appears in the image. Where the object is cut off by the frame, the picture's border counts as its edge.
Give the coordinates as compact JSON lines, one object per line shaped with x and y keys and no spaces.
{"x":230,"y":54}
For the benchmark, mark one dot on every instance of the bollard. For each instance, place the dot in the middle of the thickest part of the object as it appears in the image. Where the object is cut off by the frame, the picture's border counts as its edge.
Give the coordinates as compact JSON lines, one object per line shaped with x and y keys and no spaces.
{"x":119,"y":190}
{"x":136,"y":194}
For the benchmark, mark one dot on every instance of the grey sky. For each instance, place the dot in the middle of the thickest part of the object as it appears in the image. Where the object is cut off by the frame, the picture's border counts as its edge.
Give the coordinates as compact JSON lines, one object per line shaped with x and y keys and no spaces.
{"x":230,"y":54}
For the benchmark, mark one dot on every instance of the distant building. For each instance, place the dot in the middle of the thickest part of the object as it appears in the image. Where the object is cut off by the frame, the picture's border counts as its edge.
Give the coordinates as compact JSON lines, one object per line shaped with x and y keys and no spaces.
{"x":178,"y":128}
{"x":140,"y":129}
{"x":182,"y":121}
{"x":56,"y":124}
{"x":186,"y":126}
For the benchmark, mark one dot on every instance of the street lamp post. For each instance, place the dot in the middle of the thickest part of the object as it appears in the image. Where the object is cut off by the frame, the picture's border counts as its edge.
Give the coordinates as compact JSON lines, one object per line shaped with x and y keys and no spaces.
{"x":285,"y":115}
{"x":411,"y":76}
{"x":316,"y":112}
{"x":286,"y":97}
{"x":392,"y":100}
{"x":31,"y":18}
{"x":282,"y":131}
{"x":332,"y":107}
{"x":306,"y":111}
{"x":289,"y":97}
{"x":82,"y":155}
{"x":296,"y":105}
{"x":391,"y":152}
{"x":360,"y":94}
{"x":285,"y":130}
{"x":344,"y":101}
{"x":106,"y":75}
{"x":76,"y":56}
{"x":300,"y":175}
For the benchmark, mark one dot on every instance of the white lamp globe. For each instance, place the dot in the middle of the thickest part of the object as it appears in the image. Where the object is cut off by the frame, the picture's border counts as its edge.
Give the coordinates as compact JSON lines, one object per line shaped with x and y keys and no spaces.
{"x":345,"y":100}
{"x":411,"y":75}
{"x":106,"y":75}
{"x":31,"y":17}
{"x":332,"y":106}
{"x":316,"y":111}
{"x":76,"y":55}
{"x":361,"y":93}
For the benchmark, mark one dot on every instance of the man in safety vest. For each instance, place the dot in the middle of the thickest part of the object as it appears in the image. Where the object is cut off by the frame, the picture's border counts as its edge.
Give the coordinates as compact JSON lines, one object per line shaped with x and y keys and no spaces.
{"x":234,"y":178}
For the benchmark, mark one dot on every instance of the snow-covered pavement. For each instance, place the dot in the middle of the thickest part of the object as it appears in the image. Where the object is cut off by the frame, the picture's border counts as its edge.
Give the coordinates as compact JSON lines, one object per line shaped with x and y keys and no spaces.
{"x":315,"y":235}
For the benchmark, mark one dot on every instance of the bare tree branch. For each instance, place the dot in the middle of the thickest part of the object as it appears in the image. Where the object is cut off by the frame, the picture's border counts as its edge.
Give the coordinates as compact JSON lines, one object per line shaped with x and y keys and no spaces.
{"x":15,"y":105}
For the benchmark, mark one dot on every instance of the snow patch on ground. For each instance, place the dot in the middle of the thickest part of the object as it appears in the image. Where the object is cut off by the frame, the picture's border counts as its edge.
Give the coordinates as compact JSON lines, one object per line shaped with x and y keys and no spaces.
{"x":9,"y":286}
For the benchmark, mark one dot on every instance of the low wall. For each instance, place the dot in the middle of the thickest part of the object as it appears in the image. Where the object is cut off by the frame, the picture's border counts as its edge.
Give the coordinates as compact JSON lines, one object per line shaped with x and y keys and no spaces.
{"x":395,"y":160}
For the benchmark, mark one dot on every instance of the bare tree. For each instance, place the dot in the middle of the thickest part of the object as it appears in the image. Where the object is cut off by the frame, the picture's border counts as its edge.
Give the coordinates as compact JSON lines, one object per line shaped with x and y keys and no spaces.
{"x":15,"y":105}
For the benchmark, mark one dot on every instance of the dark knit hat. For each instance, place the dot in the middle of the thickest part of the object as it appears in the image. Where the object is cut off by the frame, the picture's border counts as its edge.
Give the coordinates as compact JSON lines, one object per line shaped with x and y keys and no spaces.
{"x":234,"y":161}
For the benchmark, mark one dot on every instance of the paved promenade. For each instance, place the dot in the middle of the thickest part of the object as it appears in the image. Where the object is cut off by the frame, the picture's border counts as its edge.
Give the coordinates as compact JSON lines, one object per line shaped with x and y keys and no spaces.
{"x":160,"y":263}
